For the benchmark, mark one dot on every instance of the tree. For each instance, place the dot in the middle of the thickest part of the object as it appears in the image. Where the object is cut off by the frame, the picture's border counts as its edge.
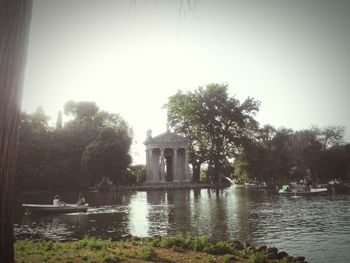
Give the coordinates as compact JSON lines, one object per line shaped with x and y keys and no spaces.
{"x":14,"y":27}
{"x":59,"y":120}
{"x":68,"y":144}
{"x":33,"y":150}
{"x":181,"y":116}
{"x":80,"y":109}
{"x":329,"y":136}
{"x":108,"y":156}
{"x":216,"y":122}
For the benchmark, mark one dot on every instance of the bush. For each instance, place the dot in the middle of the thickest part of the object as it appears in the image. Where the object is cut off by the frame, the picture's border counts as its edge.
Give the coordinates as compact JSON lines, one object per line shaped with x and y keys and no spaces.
{"x":258,"y":257}
{"x":219,"y":248}
{"x":178,"y":241}
{"x":118,"y":257}
{"x":147,"y":253}
{"x":228,"y":258}
{"x":93,"y":243}
{"x":199,"y":243}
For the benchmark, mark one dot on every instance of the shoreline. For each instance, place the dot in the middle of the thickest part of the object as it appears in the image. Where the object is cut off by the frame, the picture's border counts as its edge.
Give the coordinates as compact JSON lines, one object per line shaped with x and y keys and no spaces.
{"x":143,"y":187}
{"x":179,"y":248}
{"x":159,"y":186}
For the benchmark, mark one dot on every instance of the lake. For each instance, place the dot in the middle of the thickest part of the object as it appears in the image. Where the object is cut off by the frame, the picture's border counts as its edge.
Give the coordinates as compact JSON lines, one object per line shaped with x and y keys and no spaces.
{"x":317,"y":227}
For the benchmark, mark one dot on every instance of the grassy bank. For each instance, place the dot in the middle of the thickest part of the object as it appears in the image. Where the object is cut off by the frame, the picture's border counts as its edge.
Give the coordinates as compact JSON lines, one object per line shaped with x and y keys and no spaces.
{"x":180,"y":248}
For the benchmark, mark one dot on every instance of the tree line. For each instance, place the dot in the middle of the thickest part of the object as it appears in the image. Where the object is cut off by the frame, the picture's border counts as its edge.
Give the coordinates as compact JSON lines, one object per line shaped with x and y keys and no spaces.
{"x":77,"y":154}
{"x":227,"y":140}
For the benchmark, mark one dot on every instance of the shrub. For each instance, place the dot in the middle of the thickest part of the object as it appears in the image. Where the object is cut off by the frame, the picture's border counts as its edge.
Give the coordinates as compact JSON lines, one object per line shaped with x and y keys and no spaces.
{"x":147,"y":253}
{"x":218,"y":248}
{"x":93,"y":243}
{"x":198,"y":244}
{"x":228,"y":258}
{"x":178,"y":241}
{"x":258,"y":257}
{"x":118,"y":257}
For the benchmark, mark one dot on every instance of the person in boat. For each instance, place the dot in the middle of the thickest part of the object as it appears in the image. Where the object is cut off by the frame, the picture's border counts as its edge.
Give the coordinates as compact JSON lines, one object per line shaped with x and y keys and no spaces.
{"x":57,"y":201}
{"x":286,"y":188}
{"x":81,"y":200}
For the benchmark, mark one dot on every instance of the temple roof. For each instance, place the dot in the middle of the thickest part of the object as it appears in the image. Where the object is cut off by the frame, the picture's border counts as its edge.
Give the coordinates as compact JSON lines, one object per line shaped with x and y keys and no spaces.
{"x":167,"y":138}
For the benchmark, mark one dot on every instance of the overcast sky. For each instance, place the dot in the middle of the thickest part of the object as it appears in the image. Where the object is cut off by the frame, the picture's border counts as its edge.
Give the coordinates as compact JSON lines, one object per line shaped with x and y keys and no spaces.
{"x":130,"y":56}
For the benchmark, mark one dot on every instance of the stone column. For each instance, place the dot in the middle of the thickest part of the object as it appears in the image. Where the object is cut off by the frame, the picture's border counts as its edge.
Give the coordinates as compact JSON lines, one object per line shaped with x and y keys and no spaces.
{"x":187,"y":176}
{"x":150,"y":176}
{"x":147,"y":166}
{"x":175,"y":172}
{"x":162,"y":165}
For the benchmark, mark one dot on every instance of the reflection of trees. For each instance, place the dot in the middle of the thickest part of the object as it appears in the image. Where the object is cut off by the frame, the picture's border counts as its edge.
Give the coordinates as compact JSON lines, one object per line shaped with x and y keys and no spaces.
{"x":180,"y":210}
{"x":109,"y":225}
{"x":210,"y":215}
{"x":158,"y":210}
{"x":109,"y":198}
{"x":246,"y":216}
{"x":169,"y":211}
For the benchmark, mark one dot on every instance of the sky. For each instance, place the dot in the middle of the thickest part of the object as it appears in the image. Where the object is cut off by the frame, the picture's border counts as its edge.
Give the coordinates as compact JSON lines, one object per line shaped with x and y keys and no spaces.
{"x":129,"y":56}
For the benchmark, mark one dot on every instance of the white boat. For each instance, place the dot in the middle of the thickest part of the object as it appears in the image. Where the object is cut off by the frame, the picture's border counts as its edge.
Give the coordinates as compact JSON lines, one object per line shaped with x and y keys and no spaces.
{"x":312,"y":191}
{"x":66,"y":208}
{"x":256,"y":185}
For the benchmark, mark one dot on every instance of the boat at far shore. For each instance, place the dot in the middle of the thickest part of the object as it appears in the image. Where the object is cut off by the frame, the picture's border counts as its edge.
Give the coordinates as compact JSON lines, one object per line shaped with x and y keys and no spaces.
{"x":256,"y":185}
{"x":66,"y":208}
{"x":286,"y":190}
{"x":312,"y":191}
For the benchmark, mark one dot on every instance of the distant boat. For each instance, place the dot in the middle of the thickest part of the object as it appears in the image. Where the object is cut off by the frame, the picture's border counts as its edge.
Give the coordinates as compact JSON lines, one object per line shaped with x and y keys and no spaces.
{"x":67,"y":208}
{"x":257,"y":185}
{"x":286,"y":190}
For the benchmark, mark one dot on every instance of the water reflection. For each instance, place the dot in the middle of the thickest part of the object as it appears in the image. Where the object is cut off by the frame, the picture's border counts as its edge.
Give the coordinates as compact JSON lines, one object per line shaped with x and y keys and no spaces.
{"x":254,"y":216}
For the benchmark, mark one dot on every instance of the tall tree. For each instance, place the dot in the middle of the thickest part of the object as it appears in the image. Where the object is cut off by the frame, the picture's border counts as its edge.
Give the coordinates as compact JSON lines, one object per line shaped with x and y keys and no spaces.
{"x":108,"y":156}
{"x":33,"y":150}
{"x":14,"y":27}
{"x":329,"y":136}
{"x":216,"y":121}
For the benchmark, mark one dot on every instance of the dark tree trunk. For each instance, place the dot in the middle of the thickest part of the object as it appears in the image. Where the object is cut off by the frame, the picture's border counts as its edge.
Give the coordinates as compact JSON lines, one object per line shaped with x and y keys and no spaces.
{"x":196,"y":171}
{"x":217,"y":172}
{"x":14,"y":27}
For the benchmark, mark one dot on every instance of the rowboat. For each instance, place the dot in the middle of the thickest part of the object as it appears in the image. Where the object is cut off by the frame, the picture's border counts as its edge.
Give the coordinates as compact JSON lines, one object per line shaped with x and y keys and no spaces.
{"x":66,"y":208}
{"x":312,"y":191}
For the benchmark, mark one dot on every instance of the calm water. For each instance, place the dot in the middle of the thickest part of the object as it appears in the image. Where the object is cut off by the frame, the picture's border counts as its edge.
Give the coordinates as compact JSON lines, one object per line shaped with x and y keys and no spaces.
{"x":317,"y":227}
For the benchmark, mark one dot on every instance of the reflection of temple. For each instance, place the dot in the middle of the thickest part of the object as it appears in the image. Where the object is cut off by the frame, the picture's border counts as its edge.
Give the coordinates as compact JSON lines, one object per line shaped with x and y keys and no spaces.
{"x":167,"y":158}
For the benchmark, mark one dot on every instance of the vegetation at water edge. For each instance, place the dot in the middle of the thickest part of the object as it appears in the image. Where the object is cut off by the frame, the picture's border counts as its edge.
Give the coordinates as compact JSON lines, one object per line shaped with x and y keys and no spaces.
{"x":179,"y":248}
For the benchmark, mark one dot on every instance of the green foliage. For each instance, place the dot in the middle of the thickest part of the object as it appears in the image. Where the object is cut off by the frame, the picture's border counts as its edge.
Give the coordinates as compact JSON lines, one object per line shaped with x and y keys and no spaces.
{"x":147,"y":253}
{"x":181,"y":242}
{"x":33,"y":150}
{"x":214,"y":122}
{"x":203,"y":178}
{"x":114,"y":258}
{"x":219,"y":248}
{"x":93,"y":243}
{"x":48,"y":157}
{"x":83,"y":109}
{"x":90,"y":249}
{"x":137,"y":174}
{"x":200,"y":243}
{"x":258,"y":257}
{"x":178,"y":241}
{"x":287,"y":155}
{"x":107,"y":156}
{"x":228,"y":258}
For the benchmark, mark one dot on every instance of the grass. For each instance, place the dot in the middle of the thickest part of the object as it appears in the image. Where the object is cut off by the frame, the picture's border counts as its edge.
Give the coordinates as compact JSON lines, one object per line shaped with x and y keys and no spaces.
{"x":171,"y":249}
{"x":258,"y":257}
